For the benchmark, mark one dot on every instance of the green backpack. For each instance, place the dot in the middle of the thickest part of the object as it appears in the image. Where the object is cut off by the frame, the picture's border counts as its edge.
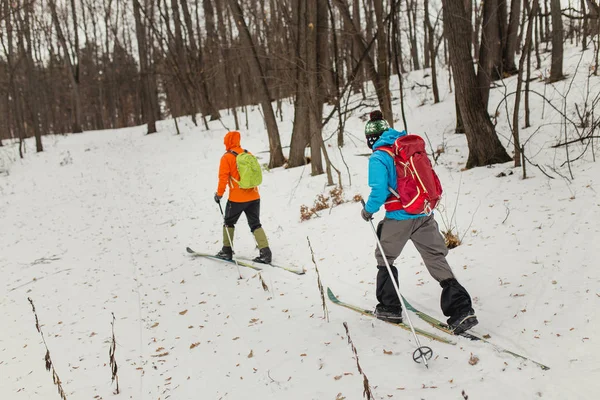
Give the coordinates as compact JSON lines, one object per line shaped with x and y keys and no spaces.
{"x":249,"y":169}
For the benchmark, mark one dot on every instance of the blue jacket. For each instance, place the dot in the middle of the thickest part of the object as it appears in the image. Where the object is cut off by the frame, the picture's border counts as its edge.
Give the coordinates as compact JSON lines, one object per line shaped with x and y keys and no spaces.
{"x":382,"y":175}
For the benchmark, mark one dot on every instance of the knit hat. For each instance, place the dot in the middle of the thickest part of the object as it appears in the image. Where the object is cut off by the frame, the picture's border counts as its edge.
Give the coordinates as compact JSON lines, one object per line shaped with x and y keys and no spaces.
{"x":375,"y":127}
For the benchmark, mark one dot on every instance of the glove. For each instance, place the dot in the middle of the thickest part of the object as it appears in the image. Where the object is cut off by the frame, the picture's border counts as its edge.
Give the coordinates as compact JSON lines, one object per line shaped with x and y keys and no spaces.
{"x":217,"y":198}
{"x":367,"y":216}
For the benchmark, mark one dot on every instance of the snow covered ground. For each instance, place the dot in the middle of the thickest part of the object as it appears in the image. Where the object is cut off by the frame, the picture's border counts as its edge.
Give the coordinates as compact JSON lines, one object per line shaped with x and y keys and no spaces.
{"x":98,"y":224}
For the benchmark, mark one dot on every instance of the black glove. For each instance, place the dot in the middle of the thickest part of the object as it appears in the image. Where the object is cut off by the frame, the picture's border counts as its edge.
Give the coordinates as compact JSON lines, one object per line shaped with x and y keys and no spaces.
{"x":218,"y":198}
{"x":367,"y":216}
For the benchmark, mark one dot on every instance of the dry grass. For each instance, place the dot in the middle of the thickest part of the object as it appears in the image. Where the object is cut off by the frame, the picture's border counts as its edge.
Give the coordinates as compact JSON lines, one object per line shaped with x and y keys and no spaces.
{"x":47,"y":359}
{"x":452,"y":240}
{"x":323,"y":202}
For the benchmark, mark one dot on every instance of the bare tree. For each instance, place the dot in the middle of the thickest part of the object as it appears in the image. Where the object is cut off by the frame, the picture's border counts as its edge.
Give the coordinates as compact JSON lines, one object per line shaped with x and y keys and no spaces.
{"x":432,"y":50}
{"x":71,"y":66}
{"x":524,"y":54}
{"x":380,"y":79}
{"x":556,"y":69}
{"x":512,"y":38}
{"x":490,"y":45}
{"x":484,"y":146}
{"x":149,"y":113}
{"x":276,"y":157}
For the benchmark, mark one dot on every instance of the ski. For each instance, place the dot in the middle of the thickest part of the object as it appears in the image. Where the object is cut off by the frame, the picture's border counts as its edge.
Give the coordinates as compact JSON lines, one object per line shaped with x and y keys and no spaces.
{"x":212,"y":257}
{"x":244,"y":262}
{"x":369,"y":313}
{"x":469,"y":335}
{"x":292,"y":270}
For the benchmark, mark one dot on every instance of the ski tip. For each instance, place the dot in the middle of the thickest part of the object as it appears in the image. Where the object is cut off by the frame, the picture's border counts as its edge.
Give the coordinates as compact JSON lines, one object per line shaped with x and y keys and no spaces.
{"x":189,"y":250}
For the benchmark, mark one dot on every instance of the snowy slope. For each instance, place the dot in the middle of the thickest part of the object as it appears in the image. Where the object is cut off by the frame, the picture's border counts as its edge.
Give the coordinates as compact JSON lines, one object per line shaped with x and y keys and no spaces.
{"x":106,"y":231}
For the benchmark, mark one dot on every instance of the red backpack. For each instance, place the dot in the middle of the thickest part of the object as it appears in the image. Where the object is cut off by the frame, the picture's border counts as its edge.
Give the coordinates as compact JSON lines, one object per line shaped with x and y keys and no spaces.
{"x":419,"y":188}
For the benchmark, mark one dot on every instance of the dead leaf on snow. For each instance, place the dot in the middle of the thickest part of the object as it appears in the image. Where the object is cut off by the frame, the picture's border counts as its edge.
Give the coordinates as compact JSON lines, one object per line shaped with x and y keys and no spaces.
{"x":473,"y":359}
{"x":251,"y":354}
{"x":337,"y":378}
{"x":166,"y":353}
{"x":183,"y":312}
{"x":389,"y":353}
{"x":194,"y":345}
{"x":155,"y":325}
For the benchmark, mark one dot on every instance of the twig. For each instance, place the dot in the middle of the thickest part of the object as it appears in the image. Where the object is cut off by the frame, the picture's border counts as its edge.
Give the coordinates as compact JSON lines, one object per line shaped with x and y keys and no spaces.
{"x":324,"y":305}
{"x":262,"y":282}
{"x":507,"y":213}
{"x":111,"y":356}
{"x":366,"y":387}
{"x":49,"y":364}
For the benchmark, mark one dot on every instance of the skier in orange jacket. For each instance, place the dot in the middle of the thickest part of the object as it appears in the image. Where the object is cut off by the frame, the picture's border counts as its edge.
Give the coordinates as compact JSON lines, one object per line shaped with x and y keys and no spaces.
{"x":240,"y":200}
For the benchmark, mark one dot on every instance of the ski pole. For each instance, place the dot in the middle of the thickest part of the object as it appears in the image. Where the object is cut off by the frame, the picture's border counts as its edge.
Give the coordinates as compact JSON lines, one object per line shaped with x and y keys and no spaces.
{"x":422,"y":352}
{"x":230,"y":241}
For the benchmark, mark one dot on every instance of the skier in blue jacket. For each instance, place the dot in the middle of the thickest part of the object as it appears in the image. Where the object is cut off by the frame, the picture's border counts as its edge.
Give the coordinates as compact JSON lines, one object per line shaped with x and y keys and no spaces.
{"x":398,"y":227}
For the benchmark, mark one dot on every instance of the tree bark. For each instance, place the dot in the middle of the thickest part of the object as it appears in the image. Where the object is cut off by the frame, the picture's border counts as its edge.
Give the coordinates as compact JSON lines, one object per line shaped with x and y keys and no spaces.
{"x":432,"y":53}
{"x":512,"y":37}
{"x":556,"y":69}
{"x":148,"y":112}
{"x":315,"y":102}
{"x":276,"y":158}
{"x":484,"y":146}
{"x":526,"y":50}
{"x":301,"y":128}
{"x":490,"y":43}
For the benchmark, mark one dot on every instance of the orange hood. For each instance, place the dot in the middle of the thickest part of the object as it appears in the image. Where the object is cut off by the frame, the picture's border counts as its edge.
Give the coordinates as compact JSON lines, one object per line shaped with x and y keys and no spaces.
{"x":232,"y":140}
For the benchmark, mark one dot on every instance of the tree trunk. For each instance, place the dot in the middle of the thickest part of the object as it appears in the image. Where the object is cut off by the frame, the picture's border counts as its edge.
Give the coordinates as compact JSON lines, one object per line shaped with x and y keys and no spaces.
{"x":502,"y":24}
{"x":315,"y":103}
{"x":276,"y":158}
{"x":432,"y":53}
{"x":31,"y":97}
{"x":148,"y":112}
{"x":526,"y":50}
{"x":556,"y":69}
{"x":484,"y":146}
{"x":584,"y":44}
{"x":490,"y":42}
{"x":512,"y":37}
{"x":414,"y":50}
{"x":226,"y":55}
{"x":301,"y":128}
{"x":71,"y":70}
{"x":211,"y":49}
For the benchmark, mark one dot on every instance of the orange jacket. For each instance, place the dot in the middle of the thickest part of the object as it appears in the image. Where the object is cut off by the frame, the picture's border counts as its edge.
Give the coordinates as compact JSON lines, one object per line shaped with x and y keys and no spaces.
{"x":228,"y":169}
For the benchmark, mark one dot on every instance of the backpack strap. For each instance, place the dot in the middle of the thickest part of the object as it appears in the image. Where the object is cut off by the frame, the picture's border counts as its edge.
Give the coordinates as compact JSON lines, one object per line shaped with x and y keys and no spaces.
{"x":234,"y":153}
{"x":389,"y":150}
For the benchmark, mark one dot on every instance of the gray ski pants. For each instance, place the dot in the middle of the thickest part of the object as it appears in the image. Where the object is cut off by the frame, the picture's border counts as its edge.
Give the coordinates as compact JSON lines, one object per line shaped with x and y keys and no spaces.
{"x":426,"y":237}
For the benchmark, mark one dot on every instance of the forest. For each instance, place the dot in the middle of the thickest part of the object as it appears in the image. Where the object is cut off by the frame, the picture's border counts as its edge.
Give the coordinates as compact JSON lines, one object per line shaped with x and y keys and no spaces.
{"x":78,"y":65}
